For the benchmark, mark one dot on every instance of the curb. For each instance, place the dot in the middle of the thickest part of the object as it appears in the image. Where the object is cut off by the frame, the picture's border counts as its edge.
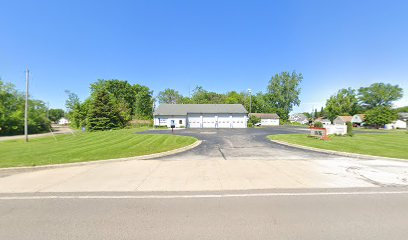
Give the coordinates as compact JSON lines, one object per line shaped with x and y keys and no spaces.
{"x":143,"y":157}
{"x":344,"y":154}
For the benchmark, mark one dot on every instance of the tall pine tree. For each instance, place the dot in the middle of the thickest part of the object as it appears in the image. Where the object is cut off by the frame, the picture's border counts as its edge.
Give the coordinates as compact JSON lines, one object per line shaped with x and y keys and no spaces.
{"x":103,"y":115}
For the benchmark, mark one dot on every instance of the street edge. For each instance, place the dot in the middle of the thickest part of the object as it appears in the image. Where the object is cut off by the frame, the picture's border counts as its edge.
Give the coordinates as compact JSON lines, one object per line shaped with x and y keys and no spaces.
{"x":344,"y":154}
{"x":143,"y":157}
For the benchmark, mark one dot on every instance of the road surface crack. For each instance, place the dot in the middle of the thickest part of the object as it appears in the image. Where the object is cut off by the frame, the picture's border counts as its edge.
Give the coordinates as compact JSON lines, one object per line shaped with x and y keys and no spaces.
{"x":222,"y":154}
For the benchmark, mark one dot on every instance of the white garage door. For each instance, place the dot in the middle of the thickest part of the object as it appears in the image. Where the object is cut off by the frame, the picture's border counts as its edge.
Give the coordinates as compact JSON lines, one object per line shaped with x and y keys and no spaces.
{"x":208,"y":121}
{"x":270,"y":122}
{"x":224,"y":121}
{"x":238,"y":121}
{"x":194,"y":121}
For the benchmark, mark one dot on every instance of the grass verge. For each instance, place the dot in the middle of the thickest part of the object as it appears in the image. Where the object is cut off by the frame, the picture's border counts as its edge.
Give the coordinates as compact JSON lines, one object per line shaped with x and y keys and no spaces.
{"x":385,"y":145}
{"x":87,"y":147}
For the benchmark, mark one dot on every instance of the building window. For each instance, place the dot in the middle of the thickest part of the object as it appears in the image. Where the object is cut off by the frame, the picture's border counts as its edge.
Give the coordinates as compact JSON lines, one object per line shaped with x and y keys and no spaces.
{"x":180,"y":121}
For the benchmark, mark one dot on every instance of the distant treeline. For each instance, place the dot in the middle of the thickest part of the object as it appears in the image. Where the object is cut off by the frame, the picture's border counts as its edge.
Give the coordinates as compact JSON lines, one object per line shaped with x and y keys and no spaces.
{"x":114,"y":103}
{"x":12,"y":104}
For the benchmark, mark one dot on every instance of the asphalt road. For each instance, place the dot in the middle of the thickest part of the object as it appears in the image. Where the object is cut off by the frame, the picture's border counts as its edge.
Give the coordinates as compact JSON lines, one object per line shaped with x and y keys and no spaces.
{"x":249,"y":143}
{"x":341,"y":214}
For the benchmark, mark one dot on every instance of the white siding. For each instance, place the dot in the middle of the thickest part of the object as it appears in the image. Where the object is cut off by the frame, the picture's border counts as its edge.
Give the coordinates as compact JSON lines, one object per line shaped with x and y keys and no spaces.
{"x":204,"y":121}
{"x":179,"y":121}
{"x":270,"y":122}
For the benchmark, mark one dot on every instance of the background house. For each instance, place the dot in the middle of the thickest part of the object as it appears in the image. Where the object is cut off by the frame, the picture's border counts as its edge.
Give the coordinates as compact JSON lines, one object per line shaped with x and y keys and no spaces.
{"x":398,"y":124}
{"x":63,"y":121}
{"x":298,"y":118}
{"x":324,"y":121}
{"x":342,"y":120}
{"x":403,"y":116}
{"x":201,"y":115}
{"x":267,"y":119}
{"x":358,"y":119}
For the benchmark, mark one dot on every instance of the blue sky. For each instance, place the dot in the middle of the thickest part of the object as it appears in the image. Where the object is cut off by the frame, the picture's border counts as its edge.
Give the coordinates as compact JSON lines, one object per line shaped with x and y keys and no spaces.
{"x":220,"y":45}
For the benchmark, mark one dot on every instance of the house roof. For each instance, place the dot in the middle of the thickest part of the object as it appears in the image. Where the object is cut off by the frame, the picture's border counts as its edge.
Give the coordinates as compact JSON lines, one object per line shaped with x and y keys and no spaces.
{"x":183,"y":109}
{"x":345,"y":118}
{"x":362,"y":116}
{"x":403,"y":115}
{"x":265,"y":115}
{"x":298,"y":117}
{"x":320,"y":119}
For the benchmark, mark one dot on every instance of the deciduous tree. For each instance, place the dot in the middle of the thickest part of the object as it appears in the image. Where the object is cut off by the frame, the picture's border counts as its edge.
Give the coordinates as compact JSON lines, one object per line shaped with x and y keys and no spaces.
{"x":344,"y":102}
{"x":379,"y":116}
{"x":170,"y":96}
{"x":55,"y":114}
{"x":379,"y":95}
{"x":283,"y":92}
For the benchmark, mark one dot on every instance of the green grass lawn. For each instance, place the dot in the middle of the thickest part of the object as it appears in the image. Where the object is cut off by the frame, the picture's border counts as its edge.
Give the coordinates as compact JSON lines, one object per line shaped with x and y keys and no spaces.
{"x":393,"y":144}
{"x":82,"y":147}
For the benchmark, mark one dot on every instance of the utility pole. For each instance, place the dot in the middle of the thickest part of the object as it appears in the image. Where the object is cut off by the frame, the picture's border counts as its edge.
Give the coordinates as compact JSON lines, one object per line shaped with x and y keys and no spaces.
{"x":48,"y":110}
{"x":250,"y":100}
{"x":26,"y":108}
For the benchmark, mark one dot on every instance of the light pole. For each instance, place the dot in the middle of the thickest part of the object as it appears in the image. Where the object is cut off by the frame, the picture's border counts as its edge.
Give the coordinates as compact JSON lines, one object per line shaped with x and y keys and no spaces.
{"x":250,"y":100}
{"x":26,"y":108}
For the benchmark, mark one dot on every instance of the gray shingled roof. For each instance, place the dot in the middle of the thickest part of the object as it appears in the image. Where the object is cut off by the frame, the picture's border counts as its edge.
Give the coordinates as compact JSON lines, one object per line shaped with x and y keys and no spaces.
{"x":265,"y":115}
{"x":403,"y":115}
{"x":183,"y":109}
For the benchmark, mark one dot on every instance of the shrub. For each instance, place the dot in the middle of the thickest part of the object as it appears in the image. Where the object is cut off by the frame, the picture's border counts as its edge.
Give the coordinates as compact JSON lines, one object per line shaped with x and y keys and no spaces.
{"x":349,"y":129}
{"x":250,"y":124}
{"x":379,"y":116}
{"x":253,"y":120}
{"x":318,"y":124}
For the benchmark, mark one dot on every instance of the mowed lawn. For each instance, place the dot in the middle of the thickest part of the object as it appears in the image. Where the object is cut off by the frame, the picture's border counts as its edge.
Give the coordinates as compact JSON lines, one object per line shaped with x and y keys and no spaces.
{"x":86,"y":147}
{"x":393,"y":144}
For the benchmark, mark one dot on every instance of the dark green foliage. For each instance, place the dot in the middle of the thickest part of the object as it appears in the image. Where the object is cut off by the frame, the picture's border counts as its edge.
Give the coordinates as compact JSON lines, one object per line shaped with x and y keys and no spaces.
{"x":253,"y":120}
{"x":76,"y":111}
{"x":103,"y":114}
{"x":322,"y":113}
{"x":349,"y":129}
{"x":55,"y":114}
{"x":318,"y":124}
{"x":12,"y":104}
{"x":126,"y":101}
{"x":131,"y":100}
{"x":143,"y":107}
{"x":170,"y":96}
{"x":283,"y":93}
{"x":379,"y":95}
{"x":379,"y":116}
{"x":345,"y":102}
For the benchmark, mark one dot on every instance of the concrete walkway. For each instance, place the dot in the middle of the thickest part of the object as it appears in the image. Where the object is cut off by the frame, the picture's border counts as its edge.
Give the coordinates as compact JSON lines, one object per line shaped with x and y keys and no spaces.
{"x":212,"y":175}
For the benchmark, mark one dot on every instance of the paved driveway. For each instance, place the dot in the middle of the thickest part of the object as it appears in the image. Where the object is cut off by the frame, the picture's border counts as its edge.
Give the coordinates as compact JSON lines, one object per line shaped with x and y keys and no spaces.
{"x":241,"y":144}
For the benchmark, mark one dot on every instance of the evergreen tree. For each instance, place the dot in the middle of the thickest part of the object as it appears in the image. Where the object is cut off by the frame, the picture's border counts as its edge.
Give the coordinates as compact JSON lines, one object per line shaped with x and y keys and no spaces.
{"x":103,"y":115}
{"x":322,"y":113}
